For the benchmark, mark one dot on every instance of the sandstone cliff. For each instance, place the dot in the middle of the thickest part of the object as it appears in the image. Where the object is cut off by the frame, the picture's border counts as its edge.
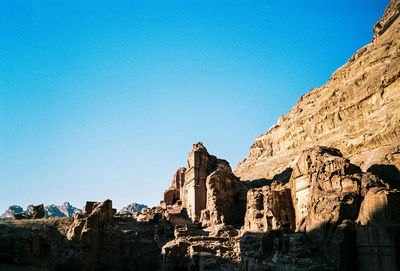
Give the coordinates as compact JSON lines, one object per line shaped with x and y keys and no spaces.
{"x":357,"y":111}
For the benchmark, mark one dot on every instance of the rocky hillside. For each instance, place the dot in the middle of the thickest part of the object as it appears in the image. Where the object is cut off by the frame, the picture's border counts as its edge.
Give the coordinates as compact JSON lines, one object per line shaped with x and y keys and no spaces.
{"x":63,"y":210}
{"x":357,"y":111}
{"x":132,"y":208}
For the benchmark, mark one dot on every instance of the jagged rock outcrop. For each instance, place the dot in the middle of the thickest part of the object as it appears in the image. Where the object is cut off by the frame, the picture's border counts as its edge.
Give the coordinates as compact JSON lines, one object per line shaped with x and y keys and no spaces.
{"x":357,"y":111}
{"x":95,"y":216}
{"x":9,"y":213}
{"x":132,"y":208}
{"x":32,"y":212}
{"x":380,"y":206}
{"x":63,"y":210}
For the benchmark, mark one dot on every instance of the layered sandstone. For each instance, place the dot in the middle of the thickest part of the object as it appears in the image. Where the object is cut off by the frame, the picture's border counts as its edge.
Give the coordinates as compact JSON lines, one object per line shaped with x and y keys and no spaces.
{"x":357,"y":111}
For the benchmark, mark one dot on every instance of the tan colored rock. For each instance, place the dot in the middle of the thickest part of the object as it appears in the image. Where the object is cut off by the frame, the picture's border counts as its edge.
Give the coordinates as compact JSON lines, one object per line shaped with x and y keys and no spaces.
{"x":325,"y":188}
{"x":95,"y":216}
{"x":356,"y":111}
{"x":207,"y":190}
{"x":269,"y":208}
{"x":173,"y":194}
{"x":225,"y":203}
{"x":380,"y":206}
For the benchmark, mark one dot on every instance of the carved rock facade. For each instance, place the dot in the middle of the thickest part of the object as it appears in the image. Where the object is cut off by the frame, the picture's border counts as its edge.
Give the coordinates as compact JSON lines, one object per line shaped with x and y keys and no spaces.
{"x":207,"y":189}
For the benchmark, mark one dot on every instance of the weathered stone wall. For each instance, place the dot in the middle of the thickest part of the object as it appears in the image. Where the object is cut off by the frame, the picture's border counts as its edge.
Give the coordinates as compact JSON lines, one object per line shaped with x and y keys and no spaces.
{"x":269,"y":208}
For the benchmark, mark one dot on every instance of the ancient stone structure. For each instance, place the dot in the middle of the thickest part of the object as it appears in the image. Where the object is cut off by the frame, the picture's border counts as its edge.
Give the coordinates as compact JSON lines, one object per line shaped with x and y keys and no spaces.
{"x":194,"y":189}
{"x":207,"y":189}
{"x":269,"y":208}
{"x":320,"y":211}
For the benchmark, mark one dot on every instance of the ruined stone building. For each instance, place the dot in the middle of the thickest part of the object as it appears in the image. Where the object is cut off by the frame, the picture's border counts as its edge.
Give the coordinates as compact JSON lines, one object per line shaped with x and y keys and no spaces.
{"x":207,"y":188}
{"x":193,"y":194}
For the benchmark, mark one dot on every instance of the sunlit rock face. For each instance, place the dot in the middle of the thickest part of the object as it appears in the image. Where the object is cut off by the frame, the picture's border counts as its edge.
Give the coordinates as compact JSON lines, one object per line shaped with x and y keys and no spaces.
{"x":207,"y":190}
{"x":269,"y":208}
{"x":132,"y":208}
{"x":357,"y":111}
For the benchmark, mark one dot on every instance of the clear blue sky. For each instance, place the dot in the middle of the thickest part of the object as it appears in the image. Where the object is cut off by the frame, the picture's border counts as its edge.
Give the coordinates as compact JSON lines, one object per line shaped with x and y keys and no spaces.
{"x":103,"y":99}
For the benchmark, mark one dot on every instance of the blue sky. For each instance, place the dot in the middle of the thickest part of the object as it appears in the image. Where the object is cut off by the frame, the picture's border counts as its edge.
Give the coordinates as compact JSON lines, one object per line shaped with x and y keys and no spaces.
{"x":103,"y":99}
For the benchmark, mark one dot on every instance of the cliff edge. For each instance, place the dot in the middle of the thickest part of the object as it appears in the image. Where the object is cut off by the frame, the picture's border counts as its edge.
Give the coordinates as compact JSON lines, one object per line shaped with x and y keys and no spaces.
{"x":356,"y":111}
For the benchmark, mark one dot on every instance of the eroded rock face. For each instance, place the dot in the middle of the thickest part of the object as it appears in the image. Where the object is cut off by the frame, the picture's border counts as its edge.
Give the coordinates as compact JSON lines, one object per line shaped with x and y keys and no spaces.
{"x":325,"y":188}
{"x":356,"y":111}
{"x":269,"y":208}
{"x":132,"y":208}
{"x":225,"y":202}
{"x":95,"y":216}
{"x":380,"y":206}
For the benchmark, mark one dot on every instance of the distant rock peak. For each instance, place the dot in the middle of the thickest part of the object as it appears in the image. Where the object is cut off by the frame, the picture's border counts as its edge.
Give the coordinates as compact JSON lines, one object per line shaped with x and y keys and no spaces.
{"x":52,"y":210}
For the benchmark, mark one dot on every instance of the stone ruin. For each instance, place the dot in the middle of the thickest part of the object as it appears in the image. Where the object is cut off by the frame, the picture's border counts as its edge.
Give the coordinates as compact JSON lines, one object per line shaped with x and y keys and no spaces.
{"x":326,"y":204}
{"x":206,"y":189}
{"x":325,"y":214}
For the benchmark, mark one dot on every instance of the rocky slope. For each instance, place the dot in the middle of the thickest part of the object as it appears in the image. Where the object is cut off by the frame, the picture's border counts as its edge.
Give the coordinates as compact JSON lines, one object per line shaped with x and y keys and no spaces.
{"x":357,"y":111}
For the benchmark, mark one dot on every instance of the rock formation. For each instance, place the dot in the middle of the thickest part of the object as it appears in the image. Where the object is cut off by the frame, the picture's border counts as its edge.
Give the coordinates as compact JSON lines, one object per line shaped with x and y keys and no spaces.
{"x":132,"y":208}
{"x":207,"y":190}
{"x":63,"y":210}
{"x":269,"y":208}
{"x":357,"y":111}
{"x":9,"y":213}
{"x":319,"y":191}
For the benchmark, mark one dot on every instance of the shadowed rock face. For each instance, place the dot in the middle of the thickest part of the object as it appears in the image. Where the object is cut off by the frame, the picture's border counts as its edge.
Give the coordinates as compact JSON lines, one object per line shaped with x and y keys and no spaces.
{"x":356,"y":111}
